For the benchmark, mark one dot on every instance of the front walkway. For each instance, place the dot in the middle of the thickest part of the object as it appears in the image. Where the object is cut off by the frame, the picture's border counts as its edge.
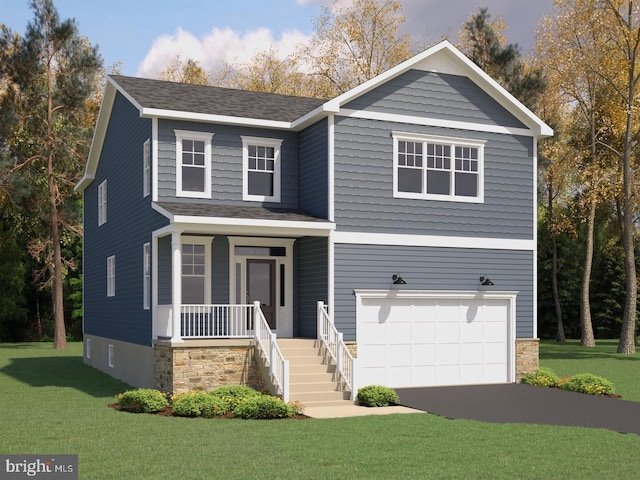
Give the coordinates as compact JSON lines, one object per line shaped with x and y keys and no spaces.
{"x":355,"y":411}
{"x":519,"y":403}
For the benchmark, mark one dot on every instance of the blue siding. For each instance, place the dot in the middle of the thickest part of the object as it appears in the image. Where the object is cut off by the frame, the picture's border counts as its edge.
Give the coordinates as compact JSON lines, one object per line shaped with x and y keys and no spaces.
{"x":364,"y":199}
{"x":226,"y":171}
{"x":427,"y":268}
{"x":130,"y":221}
{"x":314,"y":170}
{"x":435,"y":95}
{"x":311,"y":279}
{"x":220,"y":270}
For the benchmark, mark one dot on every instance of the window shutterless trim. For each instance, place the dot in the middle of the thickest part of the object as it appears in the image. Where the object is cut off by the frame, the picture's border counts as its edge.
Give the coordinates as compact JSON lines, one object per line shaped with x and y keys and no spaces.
{"x":182,"y":135}
{"x":146,"y":276}
{"x":102,"y":203}
{"x":274,"y":143}
{"x":146,"y":168}
{"x":447,"y":166}
{"x":111,"y":276}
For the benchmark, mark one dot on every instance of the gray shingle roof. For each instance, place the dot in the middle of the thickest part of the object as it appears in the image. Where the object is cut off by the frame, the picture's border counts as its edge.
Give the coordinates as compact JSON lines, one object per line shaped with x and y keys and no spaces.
{"x":238,"y":211}
{"x":184,"y":97}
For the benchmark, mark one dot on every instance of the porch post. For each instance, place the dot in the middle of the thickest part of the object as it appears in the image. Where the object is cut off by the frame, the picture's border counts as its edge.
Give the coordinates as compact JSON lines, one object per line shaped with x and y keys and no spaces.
{"x":176,"y":286}
{"x":319,"y":319}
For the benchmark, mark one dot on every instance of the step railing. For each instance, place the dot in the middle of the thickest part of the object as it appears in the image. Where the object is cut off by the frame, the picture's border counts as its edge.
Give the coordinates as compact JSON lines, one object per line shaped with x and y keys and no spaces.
{"x":268,"y":347}
{"x":334,"y":345}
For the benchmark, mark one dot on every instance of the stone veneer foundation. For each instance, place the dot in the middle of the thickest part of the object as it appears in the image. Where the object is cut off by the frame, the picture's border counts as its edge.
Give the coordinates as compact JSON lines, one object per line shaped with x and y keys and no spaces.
{"x":204,"y":365}
{"x":527,"y":356}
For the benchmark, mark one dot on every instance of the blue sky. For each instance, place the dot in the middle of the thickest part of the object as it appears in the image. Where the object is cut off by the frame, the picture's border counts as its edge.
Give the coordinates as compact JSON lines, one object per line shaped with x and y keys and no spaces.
{"x":145,"y":35}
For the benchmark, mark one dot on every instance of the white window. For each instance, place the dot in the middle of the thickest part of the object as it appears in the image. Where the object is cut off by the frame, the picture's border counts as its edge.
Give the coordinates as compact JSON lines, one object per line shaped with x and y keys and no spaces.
{"x":111,"y":356}
{"x":146,"y":276}
{"x":261,"y":169}
{"x":193,"y":164}
{"x":111,"y":276}
{"x":196,"y":270}
{"x":146,"y":168}
{"x":438,"y":168}
{"x":102,"y":203}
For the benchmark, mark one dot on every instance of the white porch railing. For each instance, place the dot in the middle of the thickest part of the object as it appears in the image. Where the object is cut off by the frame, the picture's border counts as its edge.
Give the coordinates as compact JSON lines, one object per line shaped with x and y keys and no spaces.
{"x":206,"y":321}
{"x":275,"y":361}
{"x":336,"y":348}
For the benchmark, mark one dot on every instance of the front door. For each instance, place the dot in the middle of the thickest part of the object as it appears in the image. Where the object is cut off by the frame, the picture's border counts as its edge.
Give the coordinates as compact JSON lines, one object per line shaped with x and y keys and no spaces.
{"x":261,"y":287}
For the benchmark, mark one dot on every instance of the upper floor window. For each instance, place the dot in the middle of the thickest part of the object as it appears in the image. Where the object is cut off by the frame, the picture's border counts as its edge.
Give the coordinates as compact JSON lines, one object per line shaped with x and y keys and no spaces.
{"x":261,"y":169}
{"x":146,"y":168}
{"x":102,"y":203}
{"x":193,"y":164}
{"x":438,"y":168}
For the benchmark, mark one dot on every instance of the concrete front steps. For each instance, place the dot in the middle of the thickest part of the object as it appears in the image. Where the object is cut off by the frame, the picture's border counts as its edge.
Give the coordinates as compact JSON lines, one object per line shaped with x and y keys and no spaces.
{"x":311,"y":381}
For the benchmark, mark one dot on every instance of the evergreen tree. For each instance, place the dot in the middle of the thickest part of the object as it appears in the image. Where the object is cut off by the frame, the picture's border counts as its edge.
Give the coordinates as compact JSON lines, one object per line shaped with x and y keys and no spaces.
{"x":48,"y":78}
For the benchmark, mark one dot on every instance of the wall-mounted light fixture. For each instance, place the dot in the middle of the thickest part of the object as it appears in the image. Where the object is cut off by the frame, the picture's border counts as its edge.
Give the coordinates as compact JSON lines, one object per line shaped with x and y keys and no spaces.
{"x":485,"y":281}
{"x":398,"y":280}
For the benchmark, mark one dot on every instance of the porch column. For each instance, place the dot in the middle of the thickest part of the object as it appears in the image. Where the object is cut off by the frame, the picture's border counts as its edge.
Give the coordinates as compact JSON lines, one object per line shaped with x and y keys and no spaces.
{"x":176,"y":286}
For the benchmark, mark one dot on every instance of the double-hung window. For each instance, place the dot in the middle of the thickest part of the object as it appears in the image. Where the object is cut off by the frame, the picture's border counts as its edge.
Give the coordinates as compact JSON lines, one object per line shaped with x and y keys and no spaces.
{"x":102,"y":203}
{"x":193,"y":164}
{"x":438,"y":168}
{"x":261,"y":169}
{"x":146,"y":276}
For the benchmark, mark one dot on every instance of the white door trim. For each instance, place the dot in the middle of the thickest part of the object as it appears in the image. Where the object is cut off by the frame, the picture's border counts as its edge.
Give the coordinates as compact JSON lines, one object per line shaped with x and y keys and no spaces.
{"x":284,"y":314}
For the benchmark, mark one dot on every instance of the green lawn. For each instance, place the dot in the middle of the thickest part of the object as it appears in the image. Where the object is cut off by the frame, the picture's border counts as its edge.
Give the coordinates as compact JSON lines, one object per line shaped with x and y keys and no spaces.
{"x":50,"y":402}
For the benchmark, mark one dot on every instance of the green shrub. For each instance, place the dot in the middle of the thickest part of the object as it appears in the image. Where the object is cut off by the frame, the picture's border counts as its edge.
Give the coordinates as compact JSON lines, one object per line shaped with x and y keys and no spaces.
{"x":588,"y":383}
{"x":199,"y":404}
{"x":377,"y":396}
{"x":263,"y":407}
{"x":233,"y":395}
{"x":142,"y":400}
{"x":544,"y":377}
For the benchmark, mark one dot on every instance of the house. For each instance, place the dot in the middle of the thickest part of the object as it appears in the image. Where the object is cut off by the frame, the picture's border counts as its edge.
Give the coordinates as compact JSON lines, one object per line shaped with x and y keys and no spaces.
{"x":406,"y":207}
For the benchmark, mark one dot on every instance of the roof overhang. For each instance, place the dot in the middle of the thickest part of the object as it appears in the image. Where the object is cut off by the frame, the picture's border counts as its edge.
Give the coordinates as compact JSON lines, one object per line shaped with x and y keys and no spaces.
{"x":244,"y":226}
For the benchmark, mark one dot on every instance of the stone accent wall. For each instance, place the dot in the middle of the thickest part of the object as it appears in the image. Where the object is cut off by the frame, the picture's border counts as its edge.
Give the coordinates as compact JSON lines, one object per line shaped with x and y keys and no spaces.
{"x":187,"y":368}
{"x":527,"y":356}
{"x":353,"y":348}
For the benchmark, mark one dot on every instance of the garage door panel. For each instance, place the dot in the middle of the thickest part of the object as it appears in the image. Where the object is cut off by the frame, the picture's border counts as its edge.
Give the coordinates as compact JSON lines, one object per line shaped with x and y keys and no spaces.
{"x":424,"y":332}
{"x":448,"y":312}
{"x":496,"y":332}
{"x":469,"y":373}
{"x":495,"y":373}
{"x":448,"y":332}
{"x":399,"y":375}
{"x":424,"y":354}
{"x":373,"y":376}
{"x":471,"y":353}
{"x":375,"y":355}
{"x":399,"y":355}
{"x":470,"y":331}
{"x":423,"y":375}
{"x":496,"y":353}
{"x":399,"y":333}
{"x":448,"y":353}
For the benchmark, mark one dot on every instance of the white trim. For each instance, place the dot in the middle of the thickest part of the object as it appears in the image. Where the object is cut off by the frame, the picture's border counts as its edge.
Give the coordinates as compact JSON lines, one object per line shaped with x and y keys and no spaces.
{"x":331,"y":271}
{"x":209,"y":118}
{"x":510,"y":296}
{"x":146,"y":276}
{"x":276,"y":144}
{"x":436,"y":122}
{"x":535,"y":235}
{"x":366,"y":238}
{"x":205,"y":137}
{"x":154,"y":159}
{"x":331,"y":140}
{"x":146,"y":168}
{"x":452,"y":143}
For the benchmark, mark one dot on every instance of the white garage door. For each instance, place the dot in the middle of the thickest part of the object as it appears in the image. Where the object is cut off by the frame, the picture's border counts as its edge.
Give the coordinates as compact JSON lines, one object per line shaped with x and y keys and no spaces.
{"x":408,"y":339}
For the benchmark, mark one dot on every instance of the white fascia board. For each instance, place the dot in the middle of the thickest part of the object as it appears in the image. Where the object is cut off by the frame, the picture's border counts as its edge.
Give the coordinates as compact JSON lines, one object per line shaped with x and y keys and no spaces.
{"x":99,"y":134}
{"x":362,"y":238}
{"x":435,"y":122}
{"x":313,"y":116}
{"x":208,"y":118}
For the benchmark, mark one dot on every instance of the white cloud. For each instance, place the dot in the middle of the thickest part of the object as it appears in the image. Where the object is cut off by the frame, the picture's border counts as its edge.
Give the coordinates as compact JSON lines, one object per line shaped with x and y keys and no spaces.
{"x":220,"y":45}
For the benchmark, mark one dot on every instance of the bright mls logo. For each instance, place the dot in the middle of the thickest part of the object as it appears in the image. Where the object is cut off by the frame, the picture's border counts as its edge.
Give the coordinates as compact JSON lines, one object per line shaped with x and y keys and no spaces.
{"x":58,"y":467}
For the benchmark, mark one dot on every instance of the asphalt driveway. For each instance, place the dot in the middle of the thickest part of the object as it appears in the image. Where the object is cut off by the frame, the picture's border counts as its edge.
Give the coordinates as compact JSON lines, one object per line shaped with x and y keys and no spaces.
{"x":519,"y":403}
